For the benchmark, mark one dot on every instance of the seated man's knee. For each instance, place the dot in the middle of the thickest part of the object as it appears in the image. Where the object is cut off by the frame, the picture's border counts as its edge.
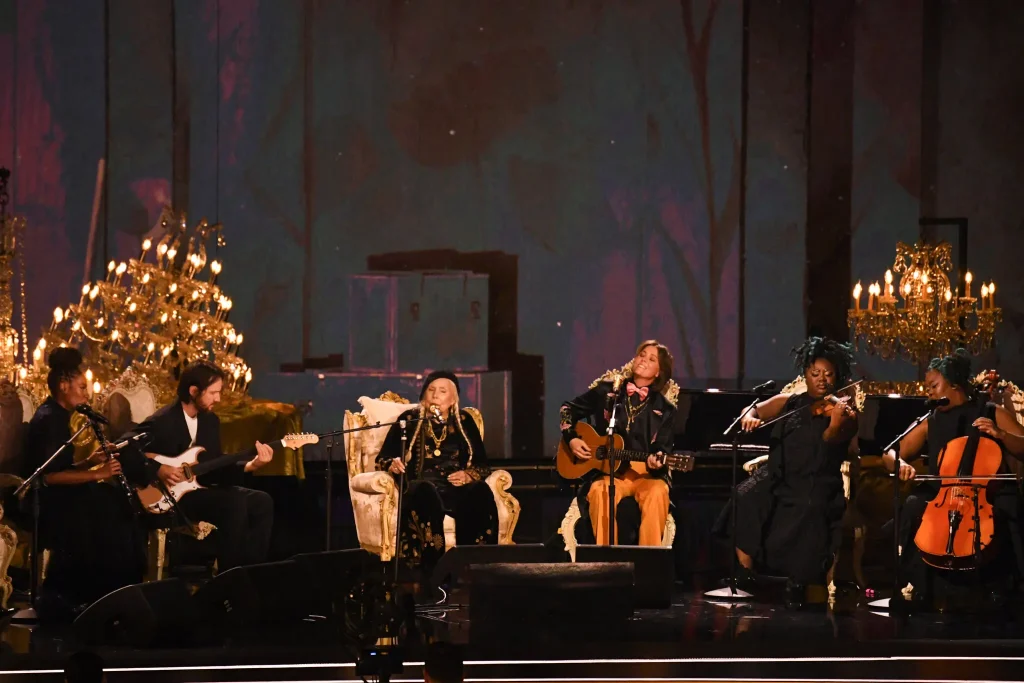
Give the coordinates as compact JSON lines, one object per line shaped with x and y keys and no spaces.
{"x":261,"y":503}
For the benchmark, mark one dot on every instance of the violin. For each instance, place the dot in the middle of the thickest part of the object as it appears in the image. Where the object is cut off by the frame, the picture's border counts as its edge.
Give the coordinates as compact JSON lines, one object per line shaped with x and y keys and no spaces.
{"x":958,"y":527}
{"x":826,"y":404}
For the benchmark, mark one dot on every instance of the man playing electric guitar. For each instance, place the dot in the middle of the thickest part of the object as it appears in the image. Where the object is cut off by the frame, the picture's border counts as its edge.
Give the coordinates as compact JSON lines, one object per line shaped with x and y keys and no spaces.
{"x":244,"y":518}
{"x":646,"y":405}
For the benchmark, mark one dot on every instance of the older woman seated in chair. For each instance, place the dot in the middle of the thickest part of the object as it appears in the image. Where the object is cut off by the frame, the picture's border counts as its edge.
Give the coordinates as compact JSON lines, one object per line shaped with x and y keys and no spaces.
{"x":441,"y":451}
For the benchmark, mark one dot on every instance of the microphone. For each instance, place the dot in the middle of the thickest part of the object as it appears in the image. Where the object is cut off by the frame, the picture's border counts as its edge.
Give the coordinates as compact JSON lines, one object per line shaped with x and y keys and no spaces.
{"x":764,"y":388}
{"x":131,"y":439}
{"x":936,"y":402}
{"x":84,"y":409}
{"x":437,"y":412}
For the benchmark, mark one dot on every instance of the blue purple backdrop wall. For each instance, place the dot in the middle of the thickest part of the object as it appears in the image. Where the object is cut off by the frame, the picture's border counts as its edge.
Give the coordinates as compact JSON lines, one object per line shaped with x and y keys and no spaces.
{"x":598,"y":141}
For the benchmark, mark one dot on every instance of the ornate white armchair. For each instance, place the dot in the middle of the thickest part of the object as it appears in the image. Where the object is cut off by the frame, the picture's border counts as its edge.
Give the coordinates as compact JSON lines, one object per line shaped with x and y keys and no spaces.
{"x":567,"y":530}
{"x":374,"y":495}
{"x":128,"y":399}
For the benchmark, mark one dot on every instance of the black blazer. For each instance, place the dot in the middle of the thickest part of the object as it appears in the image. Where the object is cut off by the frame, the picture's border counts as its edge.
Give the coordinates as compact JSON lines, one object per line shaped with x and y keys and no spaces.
{"x":168,"y":435}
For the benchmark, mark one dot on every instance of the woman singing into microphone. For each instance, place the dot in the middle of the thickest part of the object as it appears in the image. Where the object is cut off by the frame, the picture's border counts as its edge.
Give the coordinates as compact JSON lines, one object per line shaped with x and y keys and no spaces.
{"x":445,"y":462}
{"x":788,"y":517}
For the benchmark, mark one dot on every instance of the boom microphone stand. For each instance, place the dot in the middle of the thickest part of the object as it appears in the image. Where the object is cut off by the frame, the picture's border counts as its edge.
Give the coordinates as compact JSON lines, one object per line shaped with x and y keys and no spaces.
{"x":894,"y":446}
{"x":399,"y":479}
{"x":36,"y":482}
{"x":731,"y":591}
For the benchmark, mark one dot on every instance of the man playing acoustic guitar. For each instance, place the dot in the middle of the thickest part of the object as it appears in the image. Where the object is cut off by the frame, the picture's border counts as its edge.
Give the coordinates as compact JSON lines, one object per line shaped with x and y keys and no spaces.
{"x":643,"y":417}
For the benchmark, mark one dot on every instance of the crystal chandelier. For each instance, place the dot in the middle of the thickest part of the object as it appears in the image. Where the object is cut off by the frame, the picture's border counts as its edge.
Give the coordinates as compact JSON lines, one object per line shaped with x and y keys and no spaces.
{"x":152,"y":314}
{"x":922,"y":315}
{"x":11,"y":230}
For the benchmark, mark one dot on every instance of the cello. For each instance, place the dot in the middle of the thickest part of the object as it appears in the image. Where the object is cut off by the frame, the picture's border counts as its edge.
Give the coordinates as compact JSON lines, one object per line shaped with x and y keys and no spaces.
{"x":958,"y":527}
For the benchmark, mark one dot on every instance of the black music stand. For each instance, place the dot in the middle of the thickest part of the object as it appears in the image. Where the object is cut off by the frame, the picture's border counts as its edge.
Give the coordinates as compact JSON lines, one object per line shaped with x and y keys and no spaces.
{"x":731,"y":591}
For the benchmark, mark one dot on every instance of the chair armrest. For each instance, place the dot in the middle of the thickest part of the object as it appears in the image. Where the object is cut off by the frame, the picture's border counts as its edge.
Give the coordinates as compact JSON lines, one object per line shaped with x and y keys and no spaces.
{"x":372,"y":483}
{"x":500,"y":481}
{"x":751,"y":465}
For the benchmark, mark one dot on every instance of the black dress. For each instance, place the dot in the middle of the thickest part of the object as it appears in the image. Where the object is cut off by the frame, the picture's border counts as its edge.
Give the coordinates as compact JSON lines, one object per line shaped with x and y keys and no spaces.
{"x":789,"y":515}
{"x":436,"y":452}
{"x":95,"y":538}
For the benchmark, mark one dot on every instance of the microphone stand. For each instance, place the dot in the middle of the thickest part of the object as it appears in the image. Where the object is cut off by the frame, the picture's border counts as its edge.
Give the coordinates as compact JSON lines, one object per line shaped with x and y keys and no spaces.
{"x":36,"y":482}
{"x":894,"y":446}
{"x":398,"y":477}
{"x":330,"y":482}
{"x":610,"y":436}
{"x":732,"y":430}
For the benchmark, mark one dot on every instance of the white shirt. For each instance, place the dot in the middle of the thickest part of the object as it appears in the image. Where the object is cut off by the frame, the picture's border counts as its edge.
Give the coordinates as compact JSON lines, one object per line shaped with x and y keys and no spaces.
{"x":193,"y":426}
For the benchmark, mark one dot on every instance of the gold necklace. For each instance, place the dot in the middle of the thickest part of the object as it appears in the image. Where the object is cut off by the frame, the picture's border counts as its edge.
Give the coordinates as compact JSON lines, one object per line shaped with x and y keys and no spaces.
{"x":437,"y":439}
{"x":632,"y":413}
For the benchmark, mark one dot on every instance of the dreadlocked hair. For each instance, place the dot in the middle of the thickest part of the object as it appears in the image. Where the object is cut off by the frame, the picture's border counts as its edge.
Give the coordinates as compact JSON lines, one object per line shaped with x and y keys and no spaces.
{"x":839,"y":355}
{"x":956,"y":368}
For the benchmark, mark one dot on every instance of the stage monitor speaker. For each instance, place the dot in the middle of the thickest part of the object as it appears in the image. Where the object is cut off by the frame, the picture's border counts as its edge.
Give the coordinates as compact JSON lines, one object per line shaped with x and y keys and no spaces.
{"x":140,"y":615}
{"x":453,"y":565}
{"x":654,"y":570}
{"x":550,"y":601}
{"x":256,"y":594}
{"x":332,"y":574}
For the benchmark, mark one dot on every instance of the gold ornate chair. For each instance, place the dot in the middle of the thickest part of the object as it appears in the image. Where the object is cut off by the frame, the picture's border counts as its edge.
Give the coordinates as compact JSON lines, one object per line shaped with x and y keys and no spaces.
{"x":374,"y":495}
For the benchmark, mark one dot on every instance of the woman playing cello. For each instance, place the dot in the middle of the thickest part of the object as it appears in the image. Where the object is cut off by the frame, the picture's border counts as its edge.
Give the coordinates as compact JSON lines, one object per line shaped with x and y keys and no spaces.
{"x":949,"y":378}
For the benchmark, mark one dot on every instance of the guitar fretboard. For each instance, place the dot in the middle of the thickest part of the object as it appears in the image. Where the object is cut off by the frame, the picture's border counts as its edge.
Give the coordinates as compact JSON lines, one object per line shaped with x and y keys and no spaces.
{"x":622,"y":455}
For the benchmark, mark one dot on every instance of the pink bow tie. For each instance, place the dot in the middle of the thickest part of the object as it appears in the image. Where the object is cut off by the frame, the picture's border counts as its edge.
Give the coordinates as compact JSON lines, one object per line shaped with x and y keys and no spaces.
{"x":634,"y":389}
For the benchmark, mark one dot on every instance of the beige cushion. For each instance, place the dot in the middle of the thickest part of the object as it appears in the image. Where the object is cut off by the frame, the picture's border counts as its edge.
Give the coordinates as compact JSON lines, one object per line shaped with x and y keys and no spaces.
{"x":377,"y":411}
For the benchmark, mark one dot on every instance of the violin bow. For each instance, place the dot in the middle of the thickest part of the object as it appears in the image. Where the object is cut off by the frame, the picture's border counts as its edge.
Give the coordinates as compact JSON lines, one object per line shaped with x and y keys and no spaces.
{"x":806,"y":405}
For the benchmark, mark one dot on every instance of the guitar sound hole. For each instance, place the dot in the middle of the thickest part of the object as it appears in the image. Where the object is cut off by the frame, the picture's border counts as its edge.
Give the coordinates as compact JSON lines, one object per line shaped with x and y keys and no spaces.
{"x":601,"y":453}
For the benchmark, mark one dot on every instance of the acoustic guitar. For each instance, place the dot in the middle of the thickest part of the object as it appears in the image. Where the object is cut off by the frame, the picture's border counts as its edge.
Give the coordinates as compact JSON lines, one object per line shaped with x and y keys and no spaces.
{"x":154,"y":499}
{"x":570,"y":467}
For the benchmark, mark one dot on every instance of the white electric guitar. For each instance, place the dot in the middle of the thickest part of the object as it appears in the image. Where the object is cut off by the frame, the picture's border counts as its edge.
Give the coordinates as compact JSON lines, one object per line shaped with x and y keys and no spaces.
{"x":154,"y":499}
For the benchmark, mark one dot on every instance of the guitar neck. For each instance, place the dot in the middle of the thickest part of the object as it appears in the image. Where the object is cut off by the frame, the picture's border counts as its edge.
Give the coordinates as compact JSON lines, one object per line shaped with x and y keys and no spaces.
{"x":225,"y":460}
{"x":623,"y":455}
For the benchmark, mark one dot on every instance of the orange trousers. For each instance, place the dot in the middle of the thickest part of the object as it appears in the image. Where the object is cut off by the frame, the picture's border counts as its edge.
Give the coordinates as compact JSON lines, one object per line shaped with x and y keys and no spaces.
{"x":651,"y":495}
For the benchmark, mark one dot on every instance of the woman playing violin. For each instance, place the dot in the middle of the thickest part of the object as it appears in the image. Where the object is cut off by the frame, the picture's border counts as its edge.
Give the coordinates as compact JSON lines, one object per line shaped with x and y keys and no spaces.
{"x":949,"y":378}
{"x":789,"y":513}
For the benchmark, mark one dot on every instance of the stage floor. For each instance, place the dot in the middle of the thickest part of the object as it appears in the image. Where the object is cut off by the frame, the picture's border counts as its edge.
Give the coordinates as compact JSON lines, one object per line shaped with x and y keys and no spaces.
{"x":695,"y":640}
